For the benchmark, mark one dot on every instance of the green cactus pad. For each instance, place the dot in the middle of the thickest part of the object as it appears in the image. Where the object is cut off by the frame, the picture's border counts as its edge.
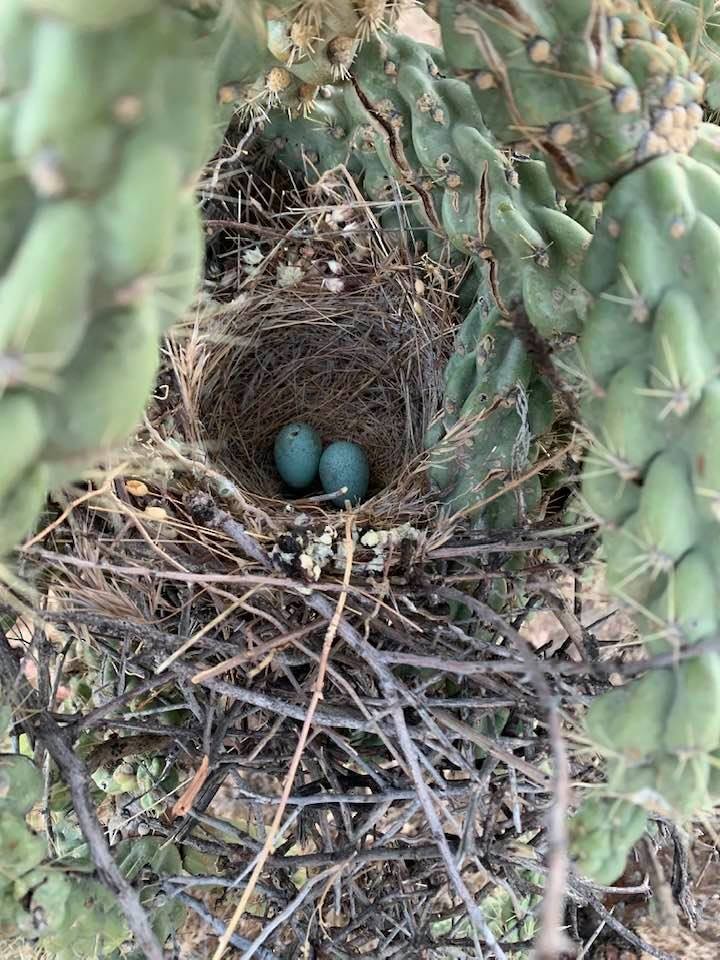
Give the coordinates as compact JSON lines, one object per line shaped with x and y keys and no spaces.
{"x":22,"y":849}
{"x":602,"y":833}
{"x":693,"y":24}
{"x":20,"y":784}
{"x":652,"y":475}
{"x":108,"y":123}
{"x":630,"y":720}
{"x":92,"y":922}
{"x":93,"y":13}
{"x":654,"y":406}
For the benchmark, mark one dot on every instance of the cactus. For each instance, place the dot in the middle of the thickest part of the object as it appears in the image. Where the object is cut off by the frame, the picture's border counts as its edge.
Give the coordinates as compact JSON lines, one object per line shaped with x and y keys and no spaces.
{"x":69,"y":914}
{"x":38,"y":900}
{"x":694,"y":25}
{"x":402,"y":119}
{"x":656,"y":491}
{"x":105,"y":113}
{"x":603,"y":830}
{"x":493,"y":409}
{"x":595,"y":108}
{"x":97,"y":184}
{"x":649,"y":348}
{"x":281,"y":52}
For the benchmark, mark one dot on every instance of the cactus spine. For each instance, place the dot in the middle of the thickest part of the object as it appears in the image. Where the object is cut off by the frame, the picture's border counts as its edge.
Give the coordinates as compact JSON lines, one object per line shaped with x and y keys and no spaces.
{"x":105,"y":118}
{"x":279,"y":52}
{"x":105,"y":114}
{"x":649,"y":352}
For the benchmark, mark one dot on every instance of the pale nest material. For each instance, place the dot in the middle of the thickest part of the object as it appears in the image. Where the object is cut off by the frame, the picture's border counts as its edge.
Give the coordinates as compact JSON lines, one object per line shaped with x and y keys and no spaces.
{"x":310,"y":552}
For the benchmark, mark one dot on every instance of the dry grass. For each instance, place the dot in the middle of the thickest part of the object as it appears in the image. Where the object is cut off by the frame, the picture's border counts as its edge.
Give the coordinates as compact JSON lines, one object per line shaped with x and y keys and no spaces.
{"x":339,"y":328}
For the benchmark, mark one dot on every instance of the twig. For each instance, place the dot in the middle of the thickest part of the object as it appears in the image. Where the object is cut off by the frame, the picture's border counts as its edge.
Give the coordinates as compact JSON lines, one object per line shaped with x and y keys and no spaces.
{"x":681,"y":876}
{"x":321,"y":605}
{"x":551,"y":941}
{"x":488,"y":744}
{"x":240,"y":943}
{"x":302,"y":740}
{"x":628,"y":935}
{"x":570,"y":623}
{"x":329,"y":715}
{"x":264,"y":650}
{"x":207,"y":628}
{"x":290,"y":909}
{"x":328,"y":799}
{"x":410,"y":752}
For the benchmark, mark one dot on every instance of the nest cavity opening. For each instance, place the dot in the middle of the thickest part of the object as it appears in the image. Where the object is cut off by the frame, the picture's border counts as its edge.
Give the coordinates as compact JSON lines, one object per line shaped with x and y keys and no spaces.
{"x":338,"y":328}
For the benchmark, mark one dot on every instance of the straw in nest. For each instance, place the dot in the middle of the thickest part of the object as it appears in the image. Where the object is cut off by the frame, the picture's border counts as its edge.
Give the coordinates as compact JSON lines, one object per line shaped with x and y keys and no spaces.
{"x":340,"y":328}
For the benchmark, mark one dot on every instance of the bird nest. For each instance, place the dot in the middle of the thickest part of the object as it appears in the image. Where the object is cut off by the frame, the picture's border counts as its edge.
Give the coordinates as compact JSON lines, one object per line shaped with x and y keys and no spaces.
{"x":384,"y":735}
{"x":312,"y":314}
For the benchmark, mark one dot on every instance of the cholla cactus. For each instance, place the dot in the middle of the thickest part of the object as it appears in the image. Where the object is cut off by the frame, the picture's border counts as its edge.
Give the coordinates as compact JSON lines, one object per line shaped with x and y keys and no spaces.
{"x":105,"y":118}
{"x":69,"y":914}
{"x":694,"y":25}
{"x":279,"y":52}
{"x":38,"y":900}
{"x":107,"y":113}
{"x":616,"y":109}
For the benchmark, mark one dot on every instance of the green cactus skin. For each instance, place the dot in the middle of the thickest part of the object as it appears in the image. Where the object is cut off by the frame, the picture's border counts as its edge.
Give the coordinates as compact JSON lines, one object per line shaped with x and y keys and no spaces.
{"x":492,"y":412}
{"x":105,"y":119}
{"x":602,"y":832}
{"x":695,"y":25}
{"x":658,"y":734}
{"x":70,"y":915}
{"x":345,"y":464}
{"x":648,"y":348}
{"x":649,"y":359}
{"x":596,"y":106}
{"x":280,"y":52}
{"x":652,"y":475}
{"x":20,"y":784}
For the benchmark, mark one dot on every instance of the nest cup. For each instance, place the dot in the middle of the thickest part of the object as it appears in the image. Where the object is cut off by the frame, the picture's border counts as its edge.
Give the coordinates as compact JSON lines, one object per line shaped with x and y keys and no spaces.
{"x":351,"y":364}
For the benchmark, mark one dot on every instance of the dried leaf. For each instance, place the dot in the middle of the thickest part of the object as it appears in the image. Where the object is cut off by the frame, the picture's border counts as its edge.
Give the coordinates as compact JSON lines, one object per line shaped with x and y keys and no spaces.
{"x":136,"y":488}
{"x":155,"y":513}
{"x":184,"y":804}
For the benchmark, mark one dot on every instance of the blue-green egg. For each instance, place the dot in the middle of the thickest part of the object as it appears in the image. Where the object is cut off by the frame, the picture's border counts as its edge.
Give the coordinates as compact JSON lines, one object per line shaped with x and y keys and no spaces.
{"x":297,"y":454}
{"x":344,"y":464}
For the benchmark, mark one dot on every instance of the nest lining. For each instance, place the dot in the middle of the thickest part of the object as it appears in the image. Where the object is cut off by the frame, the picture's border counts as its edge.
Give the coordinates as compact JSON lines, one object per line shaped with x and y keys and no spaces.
{"x":337,"y":374}
{"x":339,"y":329}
